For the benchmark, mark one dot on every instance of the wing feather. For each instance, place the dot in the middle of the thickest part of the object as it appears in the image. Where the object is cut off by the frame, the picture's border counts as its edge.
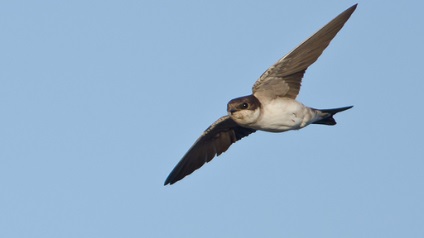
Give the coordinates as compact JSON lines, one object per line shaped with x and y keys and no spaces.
{"x":283,"y":79}
{"x":215,"y":140}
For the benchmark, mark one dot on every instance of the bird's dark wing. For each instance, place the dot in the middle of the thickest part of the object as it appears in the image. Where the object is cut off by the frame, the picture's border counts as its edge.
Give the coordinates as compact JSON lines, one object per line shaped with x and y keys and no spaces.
{"x":214,"y":141}
{"x":284,"y":78}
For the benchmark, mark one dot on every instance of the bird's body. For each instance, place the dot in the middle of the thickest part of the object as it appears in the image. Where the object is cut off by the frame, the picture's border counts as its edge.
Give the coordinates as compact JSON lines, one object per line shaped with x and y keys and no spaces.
{"x":279,"y":115}
{"x":272,"y":106}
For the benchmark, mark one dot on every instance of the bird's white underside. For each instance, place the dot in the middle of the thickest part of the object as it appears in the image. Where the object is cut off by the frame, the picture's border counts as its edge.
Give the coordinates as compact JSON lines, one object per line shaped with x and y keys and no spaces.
{"x":278,"y":115}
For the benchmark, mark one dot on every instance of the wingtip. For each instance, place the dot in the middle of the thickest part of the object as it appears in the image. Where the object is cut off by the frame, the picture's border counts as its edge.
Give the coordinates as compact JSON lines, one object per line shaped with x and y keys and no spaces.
{"x":168,"y":181}
{"x":352,"y":8}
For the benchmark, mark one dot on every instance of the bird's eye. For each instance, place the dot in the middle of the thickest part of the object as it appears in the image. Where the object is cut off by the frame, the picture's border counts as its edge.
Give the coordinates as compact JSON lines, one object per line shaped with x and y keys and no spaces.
{"x":244,"y":105}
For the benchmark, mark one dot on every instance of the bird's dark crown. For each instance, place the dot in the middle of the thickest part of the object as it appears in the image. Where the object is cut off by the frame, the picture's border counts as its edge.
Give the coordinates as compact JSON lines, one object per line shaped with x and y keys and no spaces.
{"x":243,"y":103}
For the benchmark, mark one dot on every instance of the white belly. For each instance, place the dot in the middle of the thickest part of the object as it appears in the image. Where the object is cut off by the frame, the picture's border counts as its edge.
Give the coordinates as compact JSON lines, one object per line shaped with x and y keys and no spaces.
{"x":283,"y":114}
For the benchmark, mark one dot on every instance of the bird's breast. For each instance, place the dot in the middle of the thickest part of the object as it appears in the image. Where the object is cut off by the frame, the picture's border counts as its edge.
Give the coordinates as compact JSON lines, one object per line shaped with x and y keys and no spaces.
{"x":283,"y":114}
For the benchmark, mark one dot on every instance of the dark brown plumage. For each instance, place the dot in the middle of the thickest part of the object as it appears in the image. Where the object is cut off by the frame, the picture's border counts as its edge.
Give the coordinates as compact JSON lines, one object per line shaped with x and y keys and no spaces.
{"x":283,"y":79}
{"x":214,"y":141}
{"x":291,"y":68}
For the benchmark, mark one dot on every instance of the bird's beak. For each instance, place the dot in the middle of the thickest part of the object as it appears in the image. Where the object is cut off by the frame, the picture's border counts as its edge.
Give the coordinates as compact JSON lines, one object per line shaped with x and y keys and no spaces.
{"x":230,"y":109}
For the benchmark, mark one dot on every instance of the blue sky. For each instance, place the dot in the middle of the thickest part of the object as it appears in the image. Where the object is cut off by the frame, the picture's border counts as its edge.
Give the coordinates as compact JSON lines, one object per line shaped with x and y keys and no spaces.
{"x":100,"y":99}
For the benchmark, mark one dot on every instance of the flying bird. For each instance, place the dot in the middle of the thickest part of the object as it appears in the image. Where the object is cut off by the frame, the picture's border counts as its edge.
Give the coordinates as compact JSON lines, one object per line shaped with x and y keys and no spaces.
{"x":272,"y":106}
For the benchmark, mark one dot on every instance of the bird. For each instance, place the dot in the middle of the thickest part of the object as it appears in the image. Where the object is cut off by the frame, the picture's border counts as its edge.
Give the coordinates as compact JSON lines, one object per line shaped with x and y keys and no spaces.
{"x":272,"y":106}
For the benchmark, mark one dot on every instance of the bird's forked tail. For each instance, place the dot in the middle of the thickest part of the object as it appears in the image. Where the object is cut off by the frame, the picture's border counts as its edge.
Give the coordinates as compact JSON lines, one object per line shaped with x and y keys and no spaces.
{"x":327,"y":115}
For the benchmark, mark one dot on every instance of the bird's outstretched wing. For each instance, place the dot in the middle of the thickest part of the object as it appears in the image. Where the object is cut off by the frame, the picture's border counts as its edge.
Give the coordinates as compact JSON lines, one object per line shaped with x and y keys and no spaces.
{"x":284,"y":78}
{"x":214,"y":141}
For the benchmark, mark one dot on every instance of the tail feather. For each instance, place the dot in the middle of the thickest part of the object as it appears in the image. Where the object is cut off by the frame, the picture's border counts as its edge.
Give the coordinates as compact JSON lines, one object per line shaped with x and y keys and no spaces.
{"x":328,"y":115}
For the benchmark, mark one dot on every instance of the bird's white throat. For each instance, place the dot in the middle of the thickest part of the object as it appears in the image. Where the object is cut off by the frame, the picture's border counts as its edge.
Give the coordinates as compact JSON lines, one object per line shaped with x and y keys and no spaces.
{"x":246,"y":117}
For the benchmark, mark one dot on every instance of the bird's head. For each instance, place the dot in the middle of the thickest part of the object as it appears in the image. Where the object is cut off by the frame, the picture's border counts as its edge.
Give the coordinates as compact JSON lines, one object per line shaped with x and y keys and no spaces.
{"x":244,"y":110}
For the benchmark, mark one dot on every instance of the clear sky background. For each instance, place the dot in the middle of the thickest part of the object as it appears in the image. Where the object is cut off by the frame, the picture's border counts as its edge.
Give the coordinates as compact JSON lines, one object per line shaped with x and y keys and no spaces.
{"x":100,"y":99}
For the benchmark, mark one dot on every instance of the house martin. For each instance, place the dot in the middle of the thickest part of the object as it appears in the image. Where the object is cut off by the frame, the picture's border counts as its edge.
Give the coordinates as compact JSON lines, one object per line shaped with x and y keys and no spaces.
{"x":271,"y":107}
